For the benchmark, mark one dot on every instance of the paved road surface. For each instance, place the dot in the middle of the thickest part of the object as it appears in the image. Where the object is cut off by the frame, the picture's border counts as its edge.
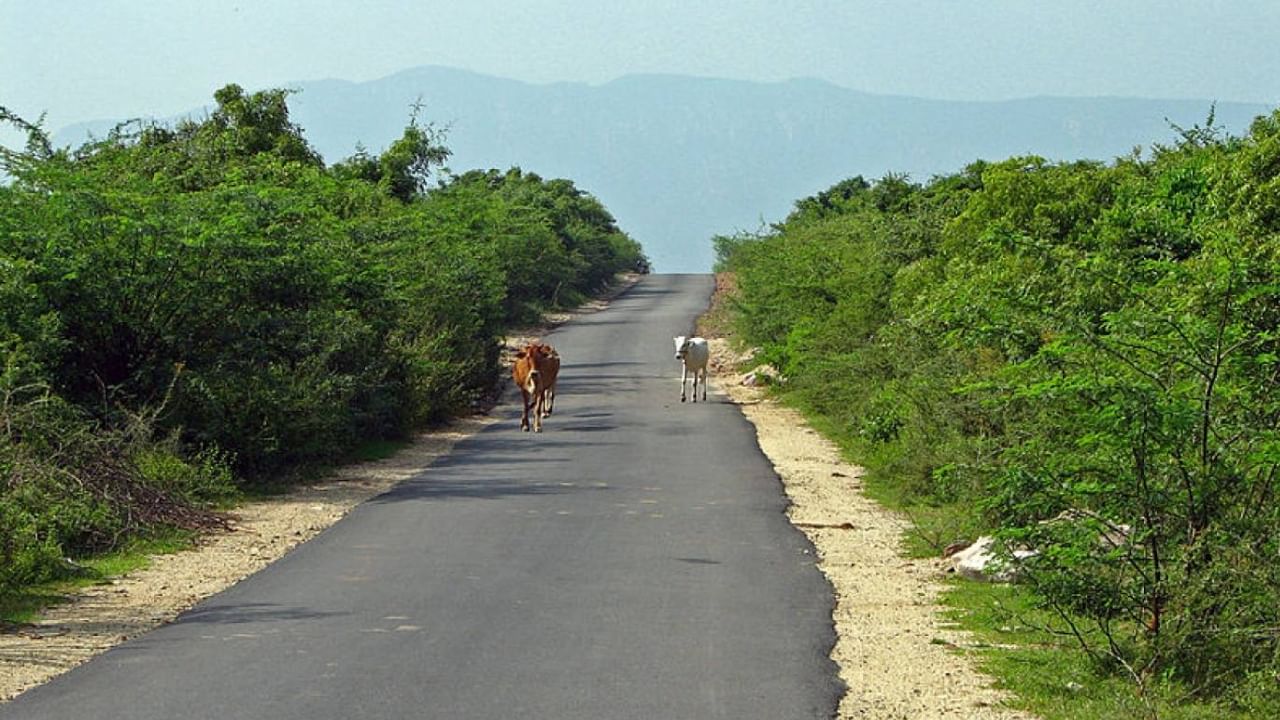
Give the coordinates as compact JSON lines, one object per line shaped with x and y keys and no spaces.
{"x":632,"y":561}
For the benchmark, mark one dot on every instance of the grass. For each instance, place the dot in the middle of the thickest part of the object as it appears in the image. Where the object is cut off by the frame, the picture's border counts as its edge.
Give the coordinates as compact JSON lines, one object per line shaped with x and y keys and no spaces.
{"x":1046,"y":671}
{"x":27,"y":604}
{"x":377,"y":450}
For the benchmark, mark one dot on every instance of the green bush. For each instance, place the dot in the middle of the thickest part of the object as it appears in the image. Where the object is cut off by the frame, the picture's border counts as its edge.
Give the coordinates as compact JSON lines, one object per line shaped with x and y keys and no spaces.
{"x":1081,"y":355}
{"x":70,"y":486}
{"x":187,"y":309}
{"x":203,"y":480}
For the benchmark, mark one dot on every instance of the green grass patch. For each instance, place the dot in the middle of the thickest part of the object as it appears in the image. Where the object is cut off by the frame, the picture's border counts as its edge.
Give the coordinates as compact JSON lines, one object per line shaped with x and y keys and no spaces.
{"x":283,"y":483}
{"x":1022,"y":647}
{"x":26,"y":604}
{"x":271,"y":488}
{"x":371,"y":450}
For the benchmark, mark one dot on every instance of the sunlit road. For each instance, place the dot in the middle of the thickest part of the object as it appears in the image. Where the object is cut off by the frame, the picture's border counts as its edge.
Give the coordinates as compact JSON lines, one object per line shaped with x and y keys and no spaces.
{"x":631,"y":561}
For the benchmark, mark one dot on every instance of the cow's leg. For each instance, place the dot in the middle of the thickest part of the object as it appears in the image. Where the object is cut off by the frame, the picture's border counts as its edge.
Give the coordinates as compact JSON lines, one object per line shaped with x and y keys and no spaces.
{"x":548,"y":401}
{"x":704,"y":384}
{"x":684,"y":372}
{"x":524,"y":414}
{"x":539,"y":398}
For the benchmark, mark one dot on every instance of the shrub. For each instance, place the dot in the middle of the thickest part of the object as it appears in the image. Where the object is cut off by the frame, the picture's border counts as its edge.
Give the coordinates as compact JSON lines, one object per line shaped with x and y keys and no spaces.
{"x":1073,"y":352}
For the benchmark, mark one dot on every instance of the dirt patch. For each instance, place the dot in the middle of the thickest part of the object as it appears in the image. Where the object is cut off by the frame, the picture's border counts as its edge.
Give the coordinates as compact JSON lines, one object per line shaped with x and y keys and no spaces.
{"x":103,"y":616}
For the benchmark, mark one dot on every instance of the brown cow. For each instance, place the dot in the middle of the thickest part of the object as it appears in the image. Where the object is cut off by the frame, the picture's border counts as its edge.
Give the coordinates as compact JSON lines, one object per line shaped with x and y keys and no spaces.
{"x":532,"y":368}
{"x":553,"y":370}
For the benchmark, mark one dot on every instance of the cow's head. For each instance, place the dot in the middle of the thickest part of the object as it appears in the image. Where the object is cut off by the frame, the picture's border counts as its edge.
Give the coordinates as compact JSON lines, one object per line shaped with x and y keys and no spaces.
{"x":682,"y":346}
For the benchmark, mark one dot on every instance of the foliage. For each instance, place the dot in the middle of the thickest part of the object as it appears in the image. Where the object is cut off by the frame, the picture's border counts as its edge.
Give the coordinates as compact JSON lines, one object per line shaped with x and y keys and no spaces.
{"x":71,"y":486}
{"x":194,"y":308}
{"x":1082,"y":354}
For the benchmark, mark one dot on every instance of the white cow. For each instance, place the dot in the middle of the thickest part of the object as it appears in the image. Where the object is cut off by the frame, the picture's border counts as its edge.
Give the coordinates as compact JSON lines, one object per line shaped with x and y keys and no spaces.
{"x":693,"y":353}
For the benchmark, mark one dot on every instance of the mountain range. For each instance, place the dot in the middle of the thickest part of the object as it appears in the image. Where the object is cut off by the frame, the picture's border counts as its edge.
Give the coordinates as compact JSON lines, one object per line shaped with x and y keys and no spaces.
{"x":679,"y":159}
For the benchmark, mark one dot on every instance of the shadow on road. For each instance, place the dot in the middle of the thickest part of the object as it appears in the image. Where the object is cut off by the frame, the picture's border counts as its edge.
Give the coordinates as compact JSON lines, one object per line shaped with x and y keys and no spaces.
{"x":251,"y":613}
{"x":578,"y":366}
{"x":466,"y":489}
{"x":642,"y":291}
{"x":587,"y":427}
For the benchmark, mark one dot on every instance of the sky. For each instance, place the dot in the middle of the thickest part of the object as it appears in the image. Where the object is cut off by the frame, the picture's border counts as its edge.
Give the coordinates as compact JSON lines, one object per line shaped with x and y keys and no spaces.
{"x":80,"y":60}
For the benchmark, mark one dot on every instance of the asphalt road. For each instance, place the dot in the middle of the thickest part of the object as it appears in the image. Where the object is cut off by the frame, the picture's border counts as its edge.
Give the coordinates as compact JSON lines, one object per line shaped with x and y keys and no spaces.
{"x":631,"y":561}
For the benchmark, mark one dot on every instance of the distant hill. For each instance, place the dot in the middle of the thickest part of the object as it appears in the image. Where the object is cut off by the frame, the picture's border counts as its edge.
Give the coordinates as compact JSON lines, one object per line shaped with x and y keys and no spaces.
{"x":679,"y":159}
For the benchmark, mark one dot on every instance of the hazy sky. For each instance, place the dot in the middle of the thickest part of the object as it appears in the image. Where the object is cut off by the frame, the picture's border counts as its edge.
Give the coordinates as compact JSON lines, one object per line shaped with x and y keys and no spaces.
{"x":88,"y":59}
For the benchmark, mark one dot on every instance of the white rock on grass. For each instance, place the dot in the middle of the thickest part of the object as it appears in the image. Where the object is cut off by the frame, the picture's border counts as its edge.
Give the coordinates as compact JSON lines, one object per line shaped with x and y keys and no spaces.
{"x":979,"y":562}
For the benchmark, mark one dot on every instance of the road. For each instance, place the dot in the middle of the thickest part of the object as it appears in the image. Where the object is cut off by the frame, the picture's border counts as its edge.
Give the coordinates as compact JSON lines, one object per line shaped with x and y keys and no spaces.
{"x":631,"y":561}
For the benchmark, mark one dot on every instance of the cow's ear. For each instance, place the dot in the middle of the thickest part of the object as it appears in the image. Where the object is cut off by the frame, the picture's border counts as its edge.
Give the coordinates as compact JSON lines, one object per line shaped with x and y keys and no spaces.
{"x":520,"y":354}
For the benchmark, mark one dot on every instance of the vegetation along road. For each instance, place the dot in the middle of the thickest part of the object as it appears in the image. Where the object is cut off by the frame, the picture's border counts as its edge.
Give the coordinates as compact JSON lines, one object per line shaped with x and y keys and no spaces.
{"x":633,"y":560}
{"x":1079,"y":361}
